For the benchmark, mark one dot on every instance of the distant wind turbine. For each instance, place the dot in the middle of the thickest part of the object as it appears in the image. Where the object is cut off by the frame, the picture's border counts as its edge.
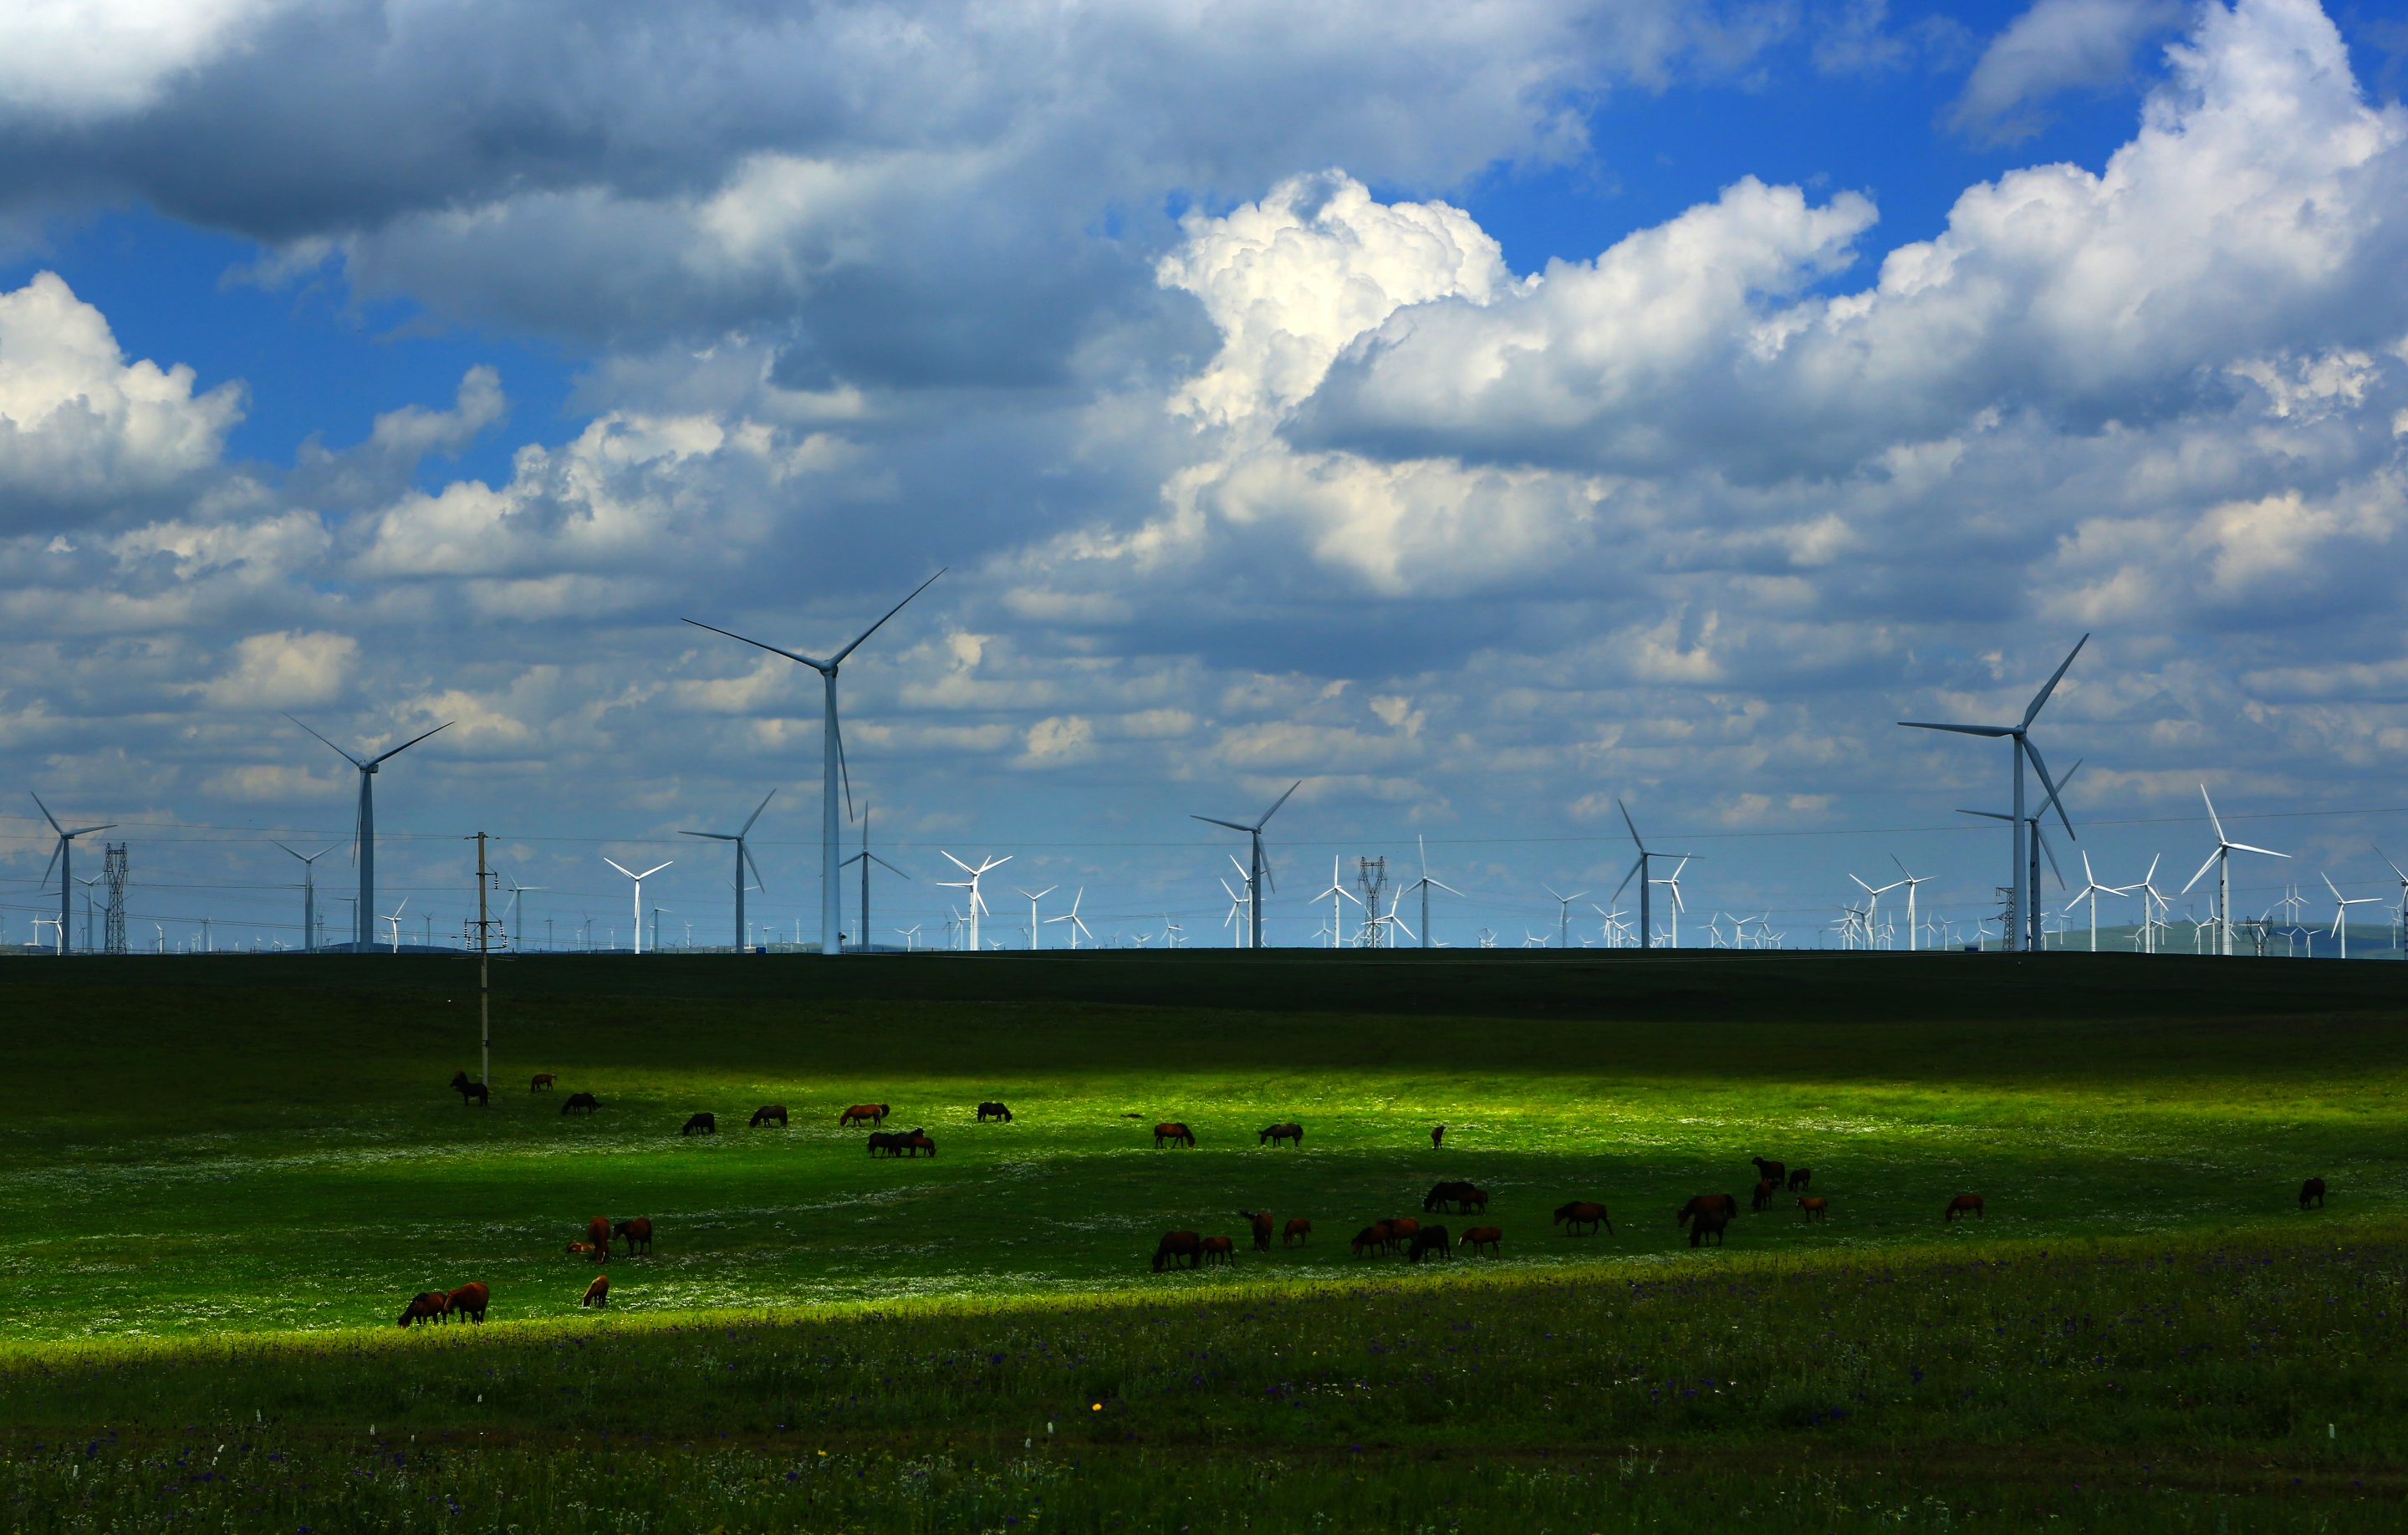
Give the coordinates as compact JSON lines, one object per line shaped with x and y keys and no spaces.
{"x":364,"y":834}
{"x":1032,"y":901}
{"x":1563,"y":914}
{"x":310,"y":894}
{"x":1640,"y":869}
{"x":1076,"y":927}
{"x":1426,"y":884}
{"x":743,"y":860}
{"x":2341,"y":912}
{"x":639,"y":878}
{"x":864,"y":858}
{"x":2221,"y":861}
{"x":1335,"y":893}
{"x":978,"y":899}
{"x":1259,"y":869}
{"x":63,"y":857}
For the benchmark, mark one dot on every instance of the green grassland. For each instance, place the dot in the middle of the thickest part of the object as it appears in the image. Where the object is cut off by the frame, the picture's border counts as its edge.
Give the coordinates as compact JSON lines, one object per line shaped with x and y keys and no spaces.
{"x":225,"y":1177}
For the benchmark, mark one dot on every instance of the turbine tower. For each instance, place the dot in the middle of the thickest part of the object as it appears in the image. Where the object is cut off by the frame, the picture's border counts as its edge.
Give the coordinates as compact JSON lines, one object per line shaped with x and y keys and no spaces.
{"x":1646,"y":933}
{"x":978,"y":900}
{"x":864,"y":858}
{"x":1260,"y":867}
{"x":310,"y":894}
{"x":2022,"y":908}
{"x":831,"y":767}
{"x":1563,"y":915}
{"x":2221,"y":861}
{"x":364,"y":836}
{"x":1426,"y":884}
{"x":637,"y":939}
{"x":2341,"y":912}
{"x":743,"y":858}
{"x":63,"y":857}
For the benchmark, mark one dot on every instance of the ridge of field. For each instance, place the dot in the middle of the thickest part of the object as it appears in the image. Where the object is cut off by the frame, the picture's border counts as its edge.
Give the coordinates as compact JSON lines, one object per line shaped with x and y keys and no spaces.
{"x":266,"y":1143}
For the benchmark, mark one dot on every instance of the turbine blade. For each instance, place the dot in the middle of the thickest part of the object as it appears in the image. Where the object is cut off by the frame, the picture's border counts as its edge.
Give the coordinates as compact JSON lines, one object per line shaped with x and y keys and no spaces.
{"x":838,"y":659}
{"x":1276,"y":804}
{"x":2395,"y":867}
{"x":1638,"y":865}
{"x":1986,"y":815}
{"x":2329,"y":885}
{"x":882,"y":864}
{"x":1627,"y":822}
{"x":617,"y":865}
{"x":714,"y":836}
{"x":1448,"y":888}
{"x":756,"y":812}
{"x":1231,"y":825}
{"x":2055,"y":790}
{"x":2202,"y":871}
{"x":815,"y":665}
{"x":843,"y":768}
{"x":2050,"y":854}
{"x":2211,"y":813}
{"x":2050,"y":686}
{"x":2243,"y":847}
{"x":54,"y":820}
{"x":407,"y":744}
{"x":332,"y":746}
{"x":1960,"y":729}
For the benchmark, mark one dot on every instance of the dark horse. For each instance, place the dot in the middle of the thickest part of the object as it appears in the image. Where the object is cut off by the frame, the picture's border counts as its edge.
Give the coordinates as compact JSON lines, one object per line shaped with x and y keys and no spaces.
{"x":638,"y":1231}
{"x":428,"y":1306}
{"x":1174,"y":1132}
{"x":1964,"y":1204}
{"x":1708,"y":1223}
{"x":769,"y":1111}
{"x":1277,"y":1133}
{"x":1582,"y":1212}
{"x":1219,"y":1250}
{"x":1176,"y":1245}
{"x":1705,"y":1203}
{"x":2311,"y":1191}
{"x":579,"y":1103}
{"x":918,"y":1141}
{"x":1800,"y":1179}
{"x":597,"y":1237}
{"x":540,"y":1082}
{"x":1261,"y":1221}
{"x":469,"y":1301}
{"x":1771,"y":1172}
{"x":467,"y":1089}
{"x":994,"y":1110}
{"x":1462,"y":1195}
{"x":889,"y":1141}
{"x":701,"y":1125}
{"x":1763,"y":1194}
{"x":1430,"y":1238}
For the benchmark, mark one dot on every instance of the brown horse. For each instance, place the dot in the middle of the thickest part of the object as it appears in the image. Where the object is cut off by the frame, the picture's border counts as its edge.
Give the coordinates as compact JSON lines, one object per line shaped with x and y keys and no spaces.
{"x":1277,"y":1133}
{"x":1708,"y":1223}
{"x":540,"y":1082}
{"x":1174,"y":1132}
{"x":467,"y":1089}
{"x":1437,"y":1136}
{"x":1455,"y":1192}
{"x":701,"y":1125}
{"x":639,"y":1232}
{"x":2313,"y":1189}
{"x":1762,"y":1194}
{"x":1705,"y":1202}
{"x":1296,"y":1230}
{"x":1429,"y":1239}
{"x":1964,"y":1204}
{"x":1582,"y":1212}
{"x":1771,"y":1172}
{"x":1261,"y":1221}
{"x":1400,"y":1230}
{"x":426,"y":1306}
{"x":769,"y":1111}
{"x":579,"y":1103}
{"x":469,"y":1301}
{"x":598,"y":1236}
{"x":994,"y":1110}
{"x":868,"y":1113}
{"x":1800,"y":1179}
{"x":1375,"y":1238}
{"x":1815,"y":1208}
{"x":1176,"y":1245}
{"x":597,"y":1293}
{"x":1482,"y":1236}
{"x":918,"y":1141}
{"x":1219,"y":1250}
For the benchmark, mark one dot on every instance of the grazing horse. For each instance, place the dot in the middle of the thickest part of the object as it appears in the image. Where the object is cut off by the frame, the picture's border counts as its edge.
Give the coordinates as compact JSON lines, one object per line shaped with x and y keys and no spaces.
{"x":597,"y":1293}
{"x":1771,"y":1172}
{"x":769,"y":1111}
{"x":1261,"y":1221}
{"x":540,"y":1082}
{"x":1219,"y":1250}
{"x":1176,"y":1245}
{"x":1582,"y":1212}
{"x":1174,"y":1132}
{"x":1815,"y":1208}
{"x":1373,"y":1239}
{"x":1762,"y":1194}
{"x":1705,"y":1202}
{"x":1800,"y":1179}
{"x":1482,"y":1236}
{"x":1400,"y":1230}
{"x":1964,"y":1204}
{"x":426,"y":1306}
{"x":701,"y":1125}
{"x":994,"y":1110}
{"x":1437,"y":1136}
{"x":638,"y":1231}
{"x":889,"y":1141}
{"x":1461,"y":1195}
{"x":467,"y":1089}
{"x":597,"y":1237}
{"x":469,"y":1301}
{"x":1277,"y":1133}
{"x":579,"y":1103}
{"x":869,"y":1114}
{"x":2313,"y":1189}
{"x":1296,"y":1230}
{"x":1709,"y":1223}
{"x":1430,"y":1238}
{"x":917,"y":1141}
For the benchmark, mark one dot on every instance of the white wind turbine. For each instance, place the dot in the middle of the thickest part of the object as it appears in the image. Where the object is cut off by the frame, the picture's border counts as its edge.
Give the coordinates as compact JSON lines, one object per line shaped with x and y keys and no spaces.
{"x":2091,"y":890}
{"x":1337,"y":893}
{"x":1426,"y":884}
{"x":2400,"y":917}
{"x":831,"y":768}
{"x":1077,"y":926}
{"x":1873,"y":913}
{"x":2221,"y":861}
{"x":1678,"y":905}
{"x":1563,"y":914}
{"x":1236,"y":910}
{"x":393,"y":917}
{"x":639,"y":878}
{"x":1032,"y":901}
{"x":1911,"y":881}
{"x":2341,"y":912}
{"x":978,"y":900}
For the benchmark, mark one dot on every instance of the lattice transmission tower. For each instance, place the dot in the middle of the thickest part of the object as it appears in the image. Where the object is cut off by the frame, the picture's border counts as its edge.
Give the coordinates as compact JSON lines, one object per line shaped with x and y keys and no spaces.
{"x":1370,"y":877}
{"x":114,"y":868}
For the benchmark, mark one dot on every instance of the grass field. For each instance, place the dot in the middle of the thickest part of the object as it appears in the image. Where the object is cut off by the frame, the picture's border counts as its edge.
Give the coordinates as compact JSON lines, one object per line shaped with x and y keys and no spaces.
{"x":239,"y":1146}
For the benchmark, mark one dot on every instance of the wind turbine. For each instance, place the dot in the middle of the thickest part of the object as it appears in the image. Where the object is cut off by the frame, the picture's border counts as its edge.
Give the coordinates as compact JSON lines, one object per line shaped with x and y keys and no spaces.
{"x":1077,"y":926}
{"x":310,"y":894}
{"x":831,"y":765}
{"x":395,"y":918}
{"x":1678,"y":907}
{"x":1236,"y":910}
{"x":978,"y":901}
{"x":1563,"y":913}
{"x":1646,"y":933}
{"x":364,"y":834}
{"x":2023,"y":913}
{"x":1032,"y":901}
{"x":1873,"y":914}
{"x":1426,"y":883}
{"x":744,"y":857}
{"x":1335,"y":893}
{"x":518,"y":933}
{"x":1912,"y":879}
{"x":1261,"y":867}
{"x":2091,"y":890}
{"x":2340,"y":913}
{"x":2399,"y":918}
{"x":864,"y":858}
{"x":639,"y":880}
{"x":2221,"y":861}
{"x":63,"y":857}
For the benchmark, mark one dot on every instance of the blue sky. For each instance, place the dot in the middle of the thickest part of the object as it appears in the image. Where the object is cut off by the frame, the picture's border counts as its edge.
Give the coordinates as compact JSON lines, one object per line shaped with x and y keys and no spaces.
{"x":1230,"y":373}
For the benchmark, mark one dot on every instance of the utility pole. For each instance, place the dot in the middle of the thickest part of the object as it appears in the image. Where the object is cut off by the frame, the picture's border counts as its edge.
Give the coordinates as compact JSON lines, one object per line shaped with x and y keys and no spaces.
{"x":484,"y":971}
